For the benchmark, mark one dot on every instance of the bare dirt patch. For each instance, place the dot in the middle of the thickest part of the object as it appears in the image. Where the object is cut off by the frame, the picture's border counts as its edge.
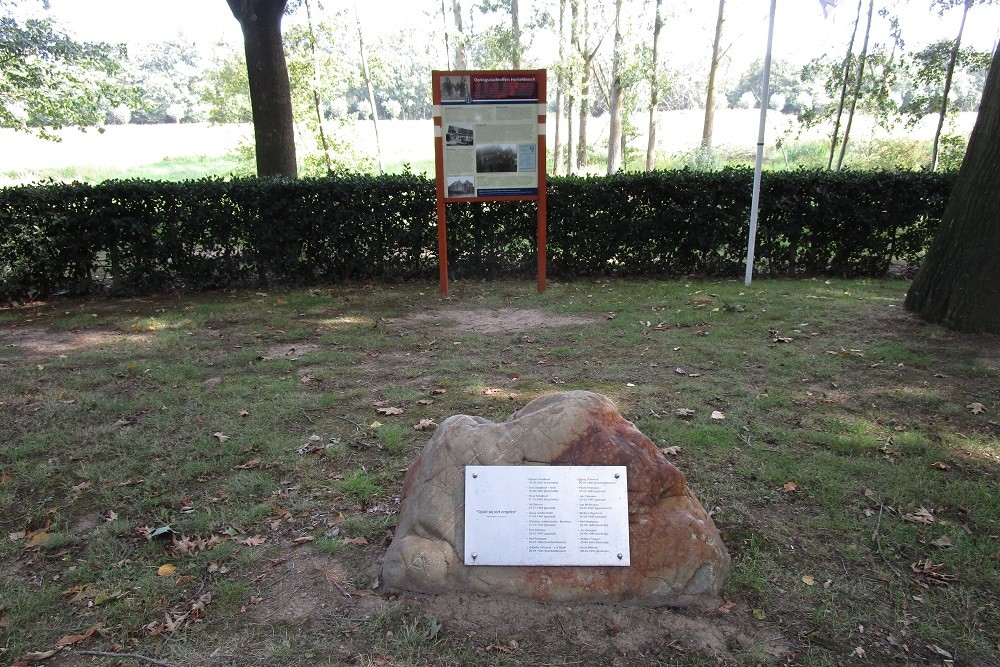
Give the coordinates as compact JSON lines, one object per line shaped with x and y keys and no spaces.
{"x":38,"y":344}
{"x":496,"y":320}
{"x":290,"y":350}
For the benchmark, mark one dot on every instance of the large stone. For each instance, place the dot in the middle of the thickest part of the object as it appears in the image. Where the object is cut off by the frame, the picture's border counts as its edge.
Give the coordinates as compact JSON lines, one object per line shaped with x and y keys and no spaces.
{"x":678,"y":558}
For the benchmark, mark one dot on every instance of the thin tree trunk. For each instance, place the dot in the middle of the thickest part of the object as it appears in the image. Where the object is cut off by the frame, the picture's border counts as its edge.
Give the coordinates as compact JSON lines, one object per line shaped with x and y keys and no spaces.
{"x":845,"y":69}
{"x":270,"y":92}
{"x":958,"y":284}
{"x":461,"y":57}
{"x":317,"y":102}
{"x":371,"y":93}
{"x":947,"y":86}
{"x":560,"y":82}
{"x":857,"y":86}
{"x":447,"y":47}
{"x":615,"y":94}
{"x":515,"y":28}
{"x":654,"y":90}
{"x":713,"y":70}
{"x":574,"y":36}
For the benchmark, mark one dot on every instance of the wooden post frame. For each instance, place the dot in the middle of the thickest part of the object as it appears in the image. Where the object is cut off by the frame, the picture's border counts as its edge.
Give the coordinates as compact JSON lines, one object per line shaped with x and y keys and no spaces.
{"x":489,"y":145}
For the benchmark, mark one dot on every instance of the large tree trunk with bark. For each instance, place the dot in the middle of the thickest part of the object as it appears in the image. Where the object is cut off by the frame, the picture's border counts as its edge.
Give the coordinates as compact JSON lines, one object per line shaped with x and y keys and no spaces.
{"x":713,"y":70}
{"x":947,"y":86}
{"x":615,"y":95}
{"x":270,"y":93}
{"x":515,"y":31}
{"x":654,"y":90}
{"x":959,"y":282}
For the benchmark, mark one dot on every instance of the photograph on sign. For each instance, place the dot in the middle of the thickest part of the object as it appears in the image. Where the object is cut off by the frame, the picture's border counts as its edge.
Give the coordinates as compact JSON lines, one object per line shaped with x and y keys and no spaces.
{"x":546,"y":515}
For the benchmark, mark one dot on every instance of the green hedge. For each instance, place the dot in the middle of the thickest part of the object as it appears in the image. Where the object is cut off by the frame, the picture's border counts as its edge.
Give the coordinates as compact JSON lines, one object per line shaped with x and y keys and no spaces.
{"x":140,"y":236}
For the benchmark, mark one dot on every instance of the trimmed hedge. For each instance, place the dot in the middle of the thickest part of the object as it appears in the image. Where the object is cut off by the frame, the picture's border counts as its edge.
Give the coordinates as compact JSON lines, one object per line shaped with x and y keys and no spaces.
{"x":141,"y":236}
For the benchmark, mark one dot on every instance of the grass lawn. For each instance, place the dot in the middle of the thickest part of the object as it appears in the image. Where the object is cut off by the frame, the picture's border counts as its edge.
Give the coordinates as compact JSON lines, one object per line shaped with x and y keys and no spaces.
{"x":205,"y":479}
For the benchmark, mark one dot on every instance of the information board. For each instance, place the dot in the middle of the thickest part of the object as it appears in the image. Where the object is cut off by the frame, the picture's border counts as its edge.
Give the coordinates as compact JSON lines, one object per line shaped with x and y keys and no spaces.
{"x":489,"y":145}
{"x":546,"y":515}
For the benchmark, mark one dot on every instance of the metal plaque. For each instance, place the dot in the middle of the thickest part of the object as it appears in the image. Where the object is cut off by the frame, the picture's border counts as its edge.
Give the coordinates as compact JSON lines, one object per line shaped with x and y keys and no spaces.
{"x":546,"y":515}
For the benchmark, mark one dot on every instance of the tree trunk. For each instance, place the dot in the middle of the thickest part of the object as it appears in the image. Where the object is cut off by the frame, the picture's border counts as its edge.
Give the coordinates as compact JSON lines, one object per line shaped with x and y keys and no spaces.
{"x":317,"y":102}
{"x":583,"y":35}
{"x":958,"y":284}
{"x":461,"y":57}
{"x":857,"y":87}
{"x":515,"y":29}
{"x":447,"y":47}
{"x":560,"y":82}
{"x":270,"y":92}
{"x":654,"y":90}
{"x":947,"y":86}
{"x":371,"y":92}
{"x":615,"y":94}
{"x":706,"y":132}
{"x":574,"y":36}
{"x":845,"y":69}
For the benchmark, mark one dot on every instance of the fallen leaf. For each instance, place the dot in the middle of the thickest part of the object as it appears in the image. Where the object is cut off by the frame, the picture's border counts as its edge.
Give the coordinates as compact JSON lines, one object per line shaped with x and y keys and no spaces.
{"x":69,"y":640}
{"x":374,"y":425}
{"x":680,"y":371}
{"x":424,"y":424}
{"x":425,"y":401}
{"x":919,"y":516}
{"x":976,"y":408}
{"x":252,"y":463}
{"x":390,"y":411}
{"x":940,"y":651}
{"x":758,"y":614}
{"x":166,"y":570}
{"x":860,"y":652}
{"x":38,"y":539}
{"x":5,"y":479}
{"x":254,"y":541}
{"x":671,"y":451}
{"x":357,"y":541}
{"x":943,"y":542}
{"x":717,"y":415}
{"x":83,"y":485}
{"x":610,"y":316}
{"x":243,"y":412}
{"x":828,"y":583}
{"x":438,"y":392}
{"x":112,"y":515}
{"x":220,"y":436}
{"x":808,"y":580}
{"x":380,"y":404}
{"x":684,"y":412}
{"x":790,"y":487}
{"x":35,"y":656}
{"x":305,"y":539}
{"x":940,"y":465}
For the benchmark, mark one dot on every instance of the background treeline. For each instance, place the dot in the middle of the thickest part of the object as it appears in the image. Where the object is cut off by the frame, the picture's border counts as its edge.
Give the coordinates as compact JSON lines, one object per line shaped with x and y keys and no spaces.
{"x":139,"y":236}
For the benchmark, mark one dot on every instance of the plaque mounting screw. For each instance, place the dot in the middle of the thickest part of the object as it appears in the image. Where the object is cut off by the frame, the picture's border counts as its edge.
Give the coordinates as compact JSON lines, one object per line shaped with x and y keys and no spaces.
{"x":475,"y":475}
{"x":617,"y":475}
{"x":619,"y":556}
{"x":474,"y":554}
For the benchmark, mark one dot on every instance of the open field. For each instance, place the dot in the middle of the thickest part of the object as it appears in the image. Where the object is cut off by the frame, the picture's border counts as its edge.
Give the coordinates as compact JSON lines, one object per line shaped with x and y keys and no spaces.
{"x":201,"y":479}
{"x":175,"y":152}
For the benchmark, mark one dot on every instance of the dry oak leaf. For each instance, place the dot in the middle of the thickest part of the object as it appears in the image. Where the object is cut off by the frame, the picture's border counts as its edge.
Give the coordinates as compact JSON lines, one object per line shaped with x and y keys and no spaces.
{"x":920,"y":516}
{"x":83,"y":485}
{"x":943,"y":541}
{"x":391,"y":411}
{"x":684,"y":412}
{"x":790,"y":487}
{"x":254,"y":541}
{"x":940,"y":651}
{"x":38,"y":539}
{"x":425,"y":401}
{"x":808,"y":580}
{"x":166,"y":570}
{"x":34,"y":656}
{"x":940,"y":465}
{"x":976,"y":408}
{"x":438,"y":392}
{"x":718,"y":415}
{"x":424,"y":424}
{"x":305,"y":539}
{"x":357,"y":541}
{"x":671,"y":451}
{"x":220,"y":436}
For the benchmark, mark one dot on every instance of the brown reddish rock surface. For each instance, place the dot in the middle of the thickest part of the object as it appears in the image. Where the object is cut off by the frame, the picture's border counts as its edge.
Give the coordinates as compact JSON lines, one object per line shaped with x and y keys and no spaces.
{"x":678,"y":558}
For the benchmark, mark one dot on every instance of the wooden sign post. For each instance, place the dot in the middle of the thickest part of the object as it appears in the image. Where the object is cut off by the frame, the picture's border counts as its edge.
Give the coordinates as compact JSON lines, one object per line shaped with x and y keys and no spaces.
{"x":489,"y":145}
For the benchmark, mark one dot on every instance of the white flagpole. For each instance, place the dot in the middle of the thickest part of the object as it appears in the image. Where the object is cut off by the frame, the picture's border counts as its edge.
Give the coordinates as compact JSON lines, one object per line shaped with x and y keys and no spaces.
{"x":755,"y":201}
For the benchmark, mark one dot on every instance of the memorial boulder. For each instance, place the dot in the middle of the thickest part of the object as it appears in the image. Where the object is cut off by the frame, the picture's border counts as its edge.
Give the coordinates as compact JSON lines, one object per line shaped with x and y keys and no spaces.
{"x":677,"y":556}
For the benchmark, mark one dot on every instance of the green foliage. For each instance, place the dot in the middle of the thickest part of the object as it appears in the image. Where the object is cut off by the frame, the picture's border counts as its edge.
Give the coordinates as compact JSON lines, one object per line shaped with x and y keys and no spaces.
{"x":49,"y":80}
{"x":138,"y":236}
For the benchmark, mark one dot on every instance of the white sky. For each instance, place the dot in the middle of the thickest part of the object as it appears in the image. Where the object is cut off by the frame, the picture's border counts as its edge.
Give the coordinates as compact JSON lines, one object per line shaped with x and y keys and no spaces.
{"x":801,"y":32}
